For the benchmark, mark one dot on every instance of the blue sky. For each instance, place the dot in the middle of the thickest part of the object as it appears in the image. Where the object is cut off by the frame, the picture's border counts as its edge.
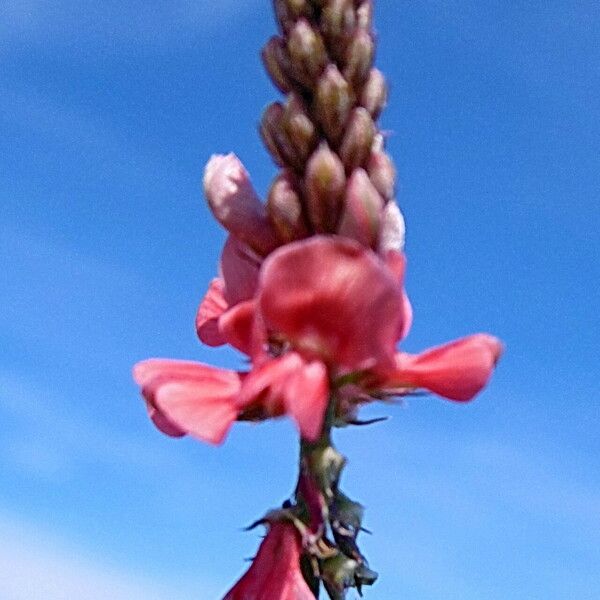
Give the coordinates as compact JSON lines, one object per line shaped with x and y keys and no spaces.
{"x":108,"y":113}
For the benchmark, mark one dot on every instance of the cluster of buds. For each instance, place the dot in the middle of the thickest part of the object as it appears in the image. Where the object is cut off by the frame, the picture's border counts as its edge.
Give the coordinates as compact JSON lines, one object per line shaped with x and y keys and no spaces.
{"x":311,"y":290}
{"x":335,"y":176}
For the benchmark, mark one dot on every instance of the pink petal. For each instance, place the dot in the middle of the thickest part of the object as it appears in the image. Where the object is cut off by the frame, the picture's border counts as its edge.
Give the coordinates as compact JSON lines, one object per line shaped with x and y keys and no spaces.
{"x":457,"y":370}
{"x":188,"y":397}
{"x":211,"y":308}
{"x":275,"y":572}
{"x":333,"y":299}
{"x":306,"y":393}
{"x":289,"y":385}
{"x":236,"y":326}
{"x":239,"y":268}
{"x":235,"y":204}
{"x":206,"y":414}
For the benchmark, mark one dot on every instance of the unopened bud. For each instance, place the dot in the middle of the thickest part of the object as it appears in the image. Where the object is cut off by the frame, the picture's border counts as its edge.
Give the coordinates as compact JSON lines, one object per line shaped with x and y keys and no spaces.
{"x":358,"y":138}
{"x":374,"y":93}
{"x":349,"y":512}
{"x":392,"y":230}
{"x":333,"y":103}
{"x":288,"y":12}
{"x":325,"y":183}
{"x":275,"y":138}
{"x":337,"y":573}
{"x":364,"y":15}
{"x":235,"y":205}
{"x":307,"y":52}
{"x":299,"y":128}
{"x":363,"y":208}
{"x":382,"y":173}
{"x":365,"y":576}
{"x":338,"y":19}
{"x":284,"y":208}
{"x":359,"y":57}
{"x":299,"y":8}
{"x":274,"y":58}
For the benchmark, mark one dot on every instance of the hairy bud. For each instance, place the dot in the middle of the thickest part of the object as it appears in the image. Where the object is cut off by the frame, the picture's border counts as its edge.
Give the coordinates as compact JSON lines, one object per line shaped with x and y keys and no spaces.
{"x":364,"y":15}
{"x":382,"y":173}
{"x":284,"y":208}
{"x":333,"y":103}
{"x":363,"y":208}
{"x":358,"y":138}
{"x":275,"y":59}
{"x":359,"y":57}
{"x":299,"y":128}
{"x":338,"y":20}
{"x":374,"y":93}
{"x":325,"y":182}
{"x":234,"y":203}
{"x":275,"y":138}
{"x":307,"y":52}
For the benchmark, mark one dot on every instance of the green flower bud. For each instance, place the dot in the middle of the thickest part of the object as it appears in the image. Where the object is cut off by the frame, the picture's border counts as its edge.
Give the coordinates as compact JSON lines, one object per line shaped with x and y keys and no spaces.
{"x":374,"y":93}
{"x":325,"y":183}
{"x":358,"y":138}
{"x":333,"y":102}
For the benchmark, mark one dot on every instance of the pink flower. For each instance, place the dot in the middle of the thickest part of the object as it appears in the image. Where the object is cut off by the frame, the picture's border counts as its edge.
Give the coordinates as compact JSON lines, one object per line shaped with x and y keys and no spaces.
{"x":275,"y":572}
{"x":316,"y":309}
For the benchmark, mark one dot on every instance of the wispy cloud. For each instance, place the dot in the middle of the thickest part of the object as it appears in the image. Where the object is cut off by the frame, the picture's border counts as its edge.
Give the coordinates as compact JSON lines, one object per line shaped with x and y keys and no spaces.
{"x":37,"y":566}
{"x":113,"y":23}
{"x":50,"y":439}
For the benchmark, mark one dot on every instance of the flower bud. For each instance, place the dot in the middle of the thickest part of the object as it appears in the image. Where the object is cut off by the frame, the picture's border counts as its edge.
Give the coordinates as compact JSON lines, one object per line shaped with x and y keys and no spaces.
{"x":274,"y":58}
{"x":374,"y":93}
{"x":285,"y":209}
{"x":364,"y":576}
{"x":275,"y":138}
{"x":307,"y":52}
{"x":299,"y":128}
{"x":364,"y":15}
{"x":356,"y":145}
{"x":392,"y":230}
{"x":325,"y":182}
{"x":289,"y":11}
{"x":382,"y":173}
{"x":359,"y":57}
{"x":299,"y":7}
{"x":363,"y":208}
{"x":235,"y":205}
{"x":337,"y":573}
{"x":333,"y":103}
{"x":338,"y":19}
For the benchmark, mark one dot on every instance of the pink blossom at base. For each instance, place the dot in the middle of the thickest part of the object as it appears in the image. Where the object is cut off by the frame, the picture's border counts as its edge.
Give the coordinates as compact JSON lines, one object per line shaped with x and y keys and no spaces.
{"x":316,"y":309}
{"x":275,"y":571}
{"x":458,"y":370}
